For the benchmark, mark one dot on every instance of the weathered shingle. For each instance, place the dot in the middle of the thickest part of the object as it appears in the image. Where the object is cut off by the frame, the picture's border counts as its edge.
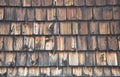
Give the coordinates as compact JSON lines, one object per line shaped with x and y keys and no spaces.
{"x":15,"y":2}
{"x":1,"y":13}
{"x":61,"y":14}
{"x":40,"y":14}
{"x":59,"y":38}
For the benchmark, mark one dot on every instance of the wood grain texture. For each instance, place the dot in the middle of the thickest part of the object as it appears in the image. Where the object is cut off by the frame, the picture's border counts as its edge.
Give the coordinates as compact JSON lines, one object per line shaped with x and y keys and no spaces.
{"x":41,"y":28}
{"x":116,"y":13}
{"x":4,"y":28}
{"x":32,"y":59}
{"x":45,"y":71}
{"x":104,"y":28}
{"x":82,"y":43}
{"x":49,"y":43}
{"x":28,"y":43}
{"x":67,"y":71}
{"x":107,"y":13}
{"x":1,"y":43}
{"x":53,"y":59}
{"x":101,"y":58}
{"x":73,"y":58}
{"x":107,"y":71}
{"x":56,"y":28}
{"x":44,"y":59}
{"x":36,"y":28}
{"x":98,"y":13}
{"x":60,"y":42}
{"x":90,"y":58}
{"x":56,"y":71}
{"x":79,"y":2}
{"x":71,"y":13}
{"x":81,"y":58}
{"x":21,"y":59}
{"x":8,"y":43}
{"x":61,"y":13}
{"x":112,"y":42}
{"x":48,"y":28}
{"x":30,"y":14}
{"x":102,"y":43}
{"x":92,"y":42}
{"x":118,"y":55}
{"x":12,"y":72}
{"x":115,"y":71}
{"x":18,"y":43}
{"x":10,"y":59}
{"x":41,"y":14}
{"x":83,"y":28}
{"x":63,"y":59}
{"x":65,"y":28}
{"x":87,"y":71}
{"x":51,"y":14}
{"x":22,"y":71}
{"x":27,"y":28}
{"x":2,"y":59}
{"x":68,"y":2}
{"x":40,"y":43}
{"x":70,"y":43}
{"x":75,"y":28}
{"x":86,"y":13}
{"x":114,"y":28}
{"x":112,"y":60}
{"x":79,"y":13}
{"x":3,"y":72}
{"x":98,"y":71}
{"x":1,"y":13}
{"x":33,"y":71}
{"x":77,"y":71}
{"x":20,"y":16}
{"x":15,"y":29}
{"x":94,"y":28}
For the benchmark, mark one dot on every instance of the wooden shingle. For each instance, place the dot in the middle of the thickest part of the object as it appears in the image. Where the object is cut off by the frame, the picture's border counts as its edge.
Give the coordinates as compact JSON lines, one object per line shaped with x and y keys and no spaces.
{"x":55,"y":71}
{"x":107,"y":13}
{"x":71,"y":13}
{"x":21,"y":60}
{"x":1,"y":13}
{"x":116,"y":12}
{"x":59,"y":38}
{"x":63,"y":59}
{"x":12,"y":72}
{"x":101,"y":58}
{"x":14,"y":2}
{"x":20,"y":14}
{"x":33,"y":72}
{"x":90,"y":2}
{"x":61,"y":13}
{"x":41,"y":13}
{"x":2,"y":58}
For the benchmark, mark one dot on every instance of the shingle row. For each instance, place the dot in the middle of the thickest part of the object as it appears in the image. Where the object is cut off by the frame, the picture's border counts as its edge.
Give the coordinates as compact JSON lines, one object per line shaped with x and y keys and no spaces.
{"x":61,"y":59}
{"x":60,"y":72}
{"x":60,"y":28}
{"x":59,"y":43}
{"x":59,"y":14}
{"x":29,"y":3}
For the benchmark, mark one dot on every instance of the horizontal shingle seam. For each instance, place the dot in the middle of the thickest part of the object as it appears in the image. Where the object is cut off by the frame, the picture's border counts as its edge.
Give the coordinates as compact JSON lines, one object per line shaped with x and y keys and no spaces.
{"x":59,"y":6}
{"x":56,"y":20}
{"x":107,"y":66}
{"x":58,"y":51}
{"x":61,"y":35}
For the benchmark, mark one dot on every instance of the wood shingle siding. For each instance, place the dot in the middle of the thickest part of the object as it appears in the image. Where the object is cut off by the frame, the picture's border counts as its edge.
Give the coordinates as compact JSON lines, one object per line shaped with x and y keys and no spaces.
{"x":59,"y":38}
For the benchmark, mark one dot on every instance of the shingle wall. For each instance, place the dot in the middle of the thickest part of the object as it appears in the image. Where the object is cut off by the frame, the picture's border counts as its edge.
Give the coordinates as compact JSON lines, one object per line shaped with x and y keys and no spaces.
{"x":59,"y":38}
